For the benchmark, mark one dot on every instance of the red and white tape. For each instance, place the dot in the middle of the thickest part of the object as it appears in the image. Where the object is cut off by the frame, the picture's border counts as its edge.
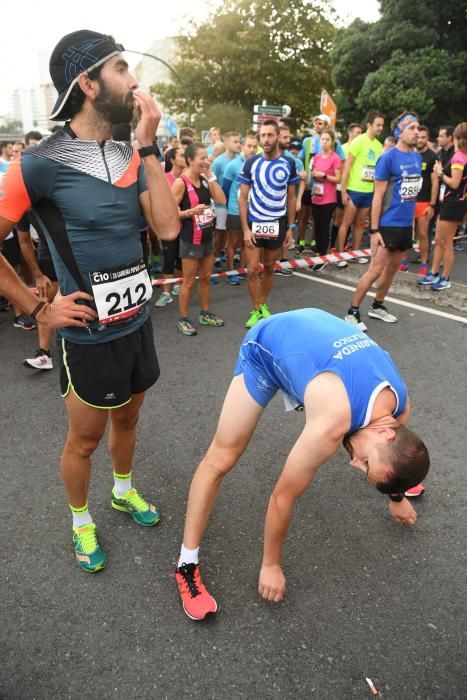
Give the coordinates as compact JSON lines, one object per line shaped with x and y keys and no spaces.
{"x":286,"y":265}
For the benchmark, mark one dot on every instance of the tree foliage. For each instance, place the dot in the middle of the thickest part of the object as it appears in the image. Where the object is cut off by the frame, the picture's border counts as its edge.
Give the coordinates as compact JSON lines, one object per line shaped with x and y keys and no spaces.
{"x":246,"y":52}
{"x":414,"y":58}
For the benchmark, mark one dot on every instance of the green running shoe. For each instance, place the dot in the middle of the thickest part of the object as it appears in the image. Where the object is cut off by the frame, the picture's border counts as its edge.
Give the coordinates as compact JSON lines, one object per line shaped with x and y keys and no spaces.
{"x":264,"y":309}
{"x":89,"y":555}
{"x":253,"y":318}
{"x":141,"y":511}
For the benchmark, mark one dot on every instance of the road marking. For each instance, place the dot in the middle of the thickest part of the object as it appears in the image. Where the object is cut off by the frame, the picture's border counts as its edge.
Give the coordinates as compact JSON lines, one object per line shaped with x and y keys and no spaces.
{"x":408,"y":304}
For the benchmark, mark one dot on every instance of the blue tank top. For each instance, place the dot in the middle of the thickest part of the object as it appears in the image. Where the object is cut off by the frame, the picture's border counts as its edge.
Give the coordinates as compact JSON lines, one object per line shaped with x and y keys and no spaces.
{"x":294,"y":347}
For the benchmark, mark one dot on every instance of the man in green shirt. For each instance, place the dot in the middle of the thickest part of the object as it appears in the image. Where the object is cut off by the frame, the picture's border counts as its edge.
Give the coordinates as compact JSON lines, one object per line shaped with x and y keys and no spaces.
{"x":358,"y":182}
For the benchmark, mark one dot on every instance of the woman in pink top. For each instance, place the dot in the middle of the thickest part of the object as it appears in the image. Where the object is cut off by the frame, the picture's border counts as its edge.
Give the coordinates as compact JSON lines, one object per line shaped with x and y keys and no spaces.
{"x":326,"y":174}
{"x":172,"y":267}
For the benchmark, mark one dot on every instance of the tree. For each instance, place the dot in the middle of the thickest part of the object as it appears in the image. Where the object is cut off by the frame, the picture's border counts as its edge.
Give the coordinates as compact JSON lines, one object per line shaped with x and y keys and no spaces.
{"x":226,"y":117}
{"x":274,"y":50}
{"x":414,"y":58}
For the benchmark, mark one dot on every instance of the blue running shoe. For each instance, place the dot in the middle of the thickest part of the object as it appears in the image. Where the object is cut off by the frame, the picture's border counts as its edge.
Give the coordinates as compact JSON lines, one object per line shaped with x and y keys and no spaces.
{"x":441,"y":284}
{"x":233,"y":279}
{"x":429,"y":279}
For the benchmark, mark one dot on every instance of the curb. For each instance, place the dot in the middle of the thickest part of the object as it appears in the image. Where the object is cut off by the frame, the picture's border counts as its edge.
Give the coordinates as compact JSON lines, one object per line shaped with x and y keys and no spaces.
{"x":405,"y":284}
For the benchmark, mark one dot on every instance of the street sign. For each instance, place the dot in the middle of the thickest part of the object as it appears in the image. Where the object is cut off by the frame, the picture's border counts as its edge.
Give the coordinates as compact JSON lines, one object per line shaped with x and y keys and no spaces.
{"x":268,"y":110}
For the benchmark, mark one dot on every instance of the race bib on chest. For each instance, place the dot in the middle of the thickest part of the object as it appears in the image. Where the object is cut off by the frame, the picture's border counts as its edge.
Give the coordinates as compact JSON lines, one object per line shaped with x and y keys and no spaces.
{"x":368,"y":173}
{"x":442,"y":192}
{"x":206,"y":219}
{"x":318,"y":189}
{"x":410,"y":187}
{"x":266,"y":229}
{"x":121,"y":292}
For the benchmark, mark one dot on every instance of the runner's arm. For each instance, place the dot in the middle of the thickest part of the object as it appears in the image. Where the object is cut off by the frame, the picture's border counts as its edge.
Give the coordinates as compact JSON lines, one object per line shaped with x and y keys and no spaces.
{"x":317,"y":443}
{"x":346,"y":170}
{"x":157,"y":202}
{"x":28,"y":252}
{"x":243,"y":206}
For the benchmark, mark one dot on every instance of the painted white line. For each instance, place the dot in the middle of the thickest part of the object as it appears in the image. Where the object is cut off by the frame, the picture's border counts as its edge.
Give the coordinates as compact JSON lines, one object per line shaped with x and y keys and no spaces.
{"x":400,"y":302}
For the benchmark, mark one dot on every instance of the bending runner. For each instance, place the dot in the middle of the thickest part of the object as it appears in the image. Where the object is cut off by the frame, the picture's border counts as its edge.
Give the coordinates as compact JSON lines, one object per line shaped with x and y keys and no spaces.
{"x":267,"y":214}
{"x":307,"y":355}
{"x":107,"y":353}
{"x":397,"y":183}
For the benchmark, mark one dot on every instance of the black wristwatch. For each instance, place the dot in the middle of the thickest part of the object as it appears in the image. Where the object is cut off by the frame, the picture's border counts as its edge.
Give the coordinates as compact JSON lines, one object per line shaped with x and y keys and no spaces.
{"x":150,"y":151}
{"x":397,"y":497}
{"x":374,"y":230}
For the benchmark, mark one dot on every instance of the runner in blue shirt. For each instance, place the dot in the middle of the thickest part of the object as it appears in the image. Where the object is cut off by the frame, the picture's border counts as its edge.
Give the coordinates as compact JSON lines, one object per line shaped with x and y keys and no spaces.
{"x":231,"y":187}
{"x":267,"y":214}
{"x":219,"y":164}
{"x":398,"y":180}
{"x":351,"y":393}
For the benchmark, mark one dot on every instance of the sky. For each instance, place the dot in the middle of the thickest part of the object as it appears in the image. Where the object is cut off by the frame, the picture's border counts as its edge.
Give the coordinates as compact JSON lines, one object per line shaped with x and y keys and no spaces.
{"x":24,"y":37}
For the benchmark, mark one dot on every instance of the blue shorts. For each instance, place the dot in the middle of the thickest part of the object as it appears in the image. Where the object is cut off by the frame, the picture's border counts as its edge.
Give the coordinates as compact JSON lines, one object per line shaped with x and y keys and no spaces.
{"x":260,"y":385}
{"x":362,"y":200}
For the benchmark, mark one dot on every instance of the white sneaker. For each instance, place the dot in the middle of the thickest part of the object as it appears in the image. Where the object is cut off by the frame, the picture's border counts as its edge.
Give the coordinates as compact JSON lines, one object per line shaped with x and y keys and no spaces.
{"x":164,"y":299}
{"x":175,"y":290}
{"x":341,"y":263}
{"x":354,"y":321}
{"x":362,"y":261}
{"x":382,"y":313}
{"x":41,"y":360}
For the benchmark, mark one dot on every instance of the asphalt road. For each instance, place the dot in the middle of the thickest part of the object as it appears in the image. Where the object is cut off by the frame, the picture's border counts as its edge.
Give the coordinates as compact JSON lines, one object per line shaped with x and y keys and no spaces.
{"x":365,"y":597}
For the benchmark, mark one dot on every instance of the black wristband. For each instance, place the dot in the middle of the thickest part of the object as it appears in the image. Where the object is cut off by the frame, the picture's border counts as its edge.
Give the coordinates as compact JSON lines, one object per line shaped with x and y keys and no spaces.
{"x":397,"y":497}
{"x":150,"y":151}
{"x":374,"y":230}
{"x":35,"y":311}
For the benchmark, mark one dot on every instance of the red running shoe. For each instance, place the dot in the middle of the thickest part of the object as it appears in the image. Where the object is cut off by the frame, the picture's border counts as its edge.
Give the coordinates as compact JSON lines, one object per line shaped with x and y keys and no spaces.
{"x":196,"y":601}
{"x":415,"y":491}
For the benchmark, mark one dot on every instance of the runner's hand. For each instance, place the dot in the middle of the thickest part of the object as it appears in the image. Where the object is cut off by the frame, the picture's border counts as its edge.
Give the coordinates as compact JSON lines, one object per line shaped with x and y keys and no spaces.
{"x":271,"y":583}
{"x":288,"y":237}
{"x":376,"y":240}
{"x":149,"y":116}
{"x":345,"y":197}
{"x":403,"y":512}
{"x":249,"y":239}
{"x":65,"y":311}
{"x":199,"y":209}
{"x":43,"y":285}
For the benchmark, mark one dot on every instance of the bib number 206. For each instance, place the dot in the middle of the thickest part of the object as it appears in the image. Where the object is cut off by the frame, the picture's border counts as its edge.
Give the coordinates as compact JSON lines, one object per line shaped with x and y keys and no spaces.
{"x":265,"y":229}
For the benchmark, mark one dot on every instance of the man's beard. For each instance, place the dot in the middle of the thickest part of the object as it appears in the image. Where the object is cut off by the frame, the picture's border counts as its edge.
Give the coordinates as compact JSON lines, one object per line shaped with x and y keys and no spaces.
{"x":113,"y":108}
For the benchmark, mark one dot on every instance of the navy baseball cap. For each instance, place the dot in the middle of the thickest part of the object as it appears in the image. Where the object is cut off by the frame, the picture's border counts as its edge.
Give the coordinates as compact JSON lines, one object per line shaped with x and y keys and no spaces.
{"x":77,"y":53}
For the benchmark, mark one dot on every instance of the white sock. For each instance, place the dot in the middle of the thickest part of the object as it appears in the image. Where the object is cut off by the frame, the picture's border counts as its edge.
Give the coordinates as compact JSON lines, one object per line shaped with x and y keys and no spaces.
{"x":81,"y":516}
{"x":122,"y":483}
{"x":188,"y":556}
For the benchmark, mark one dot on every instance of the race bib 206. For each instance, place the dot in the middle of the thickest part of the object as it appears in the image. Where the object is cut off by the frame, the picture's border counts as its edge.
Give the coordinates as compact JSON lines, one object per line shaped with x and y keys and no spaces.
{"x":121,"y":292}
{"x":265,"y":229}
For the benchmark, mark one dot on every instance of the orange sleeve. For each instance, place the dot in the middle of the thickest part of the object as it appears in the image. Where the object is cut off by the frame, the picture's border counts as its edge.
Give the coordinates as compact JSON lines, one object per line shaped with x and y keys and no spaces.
{"x":130,"y":176}
{"x":14,"y":198}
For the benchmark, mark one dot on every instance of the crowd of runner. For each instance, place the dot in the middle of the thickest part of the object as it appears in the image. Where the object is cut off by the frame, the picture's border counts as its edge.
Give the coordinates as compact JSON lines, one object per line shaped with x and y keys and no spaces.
{"x":89,"y":213}
{"x":316,"y":191}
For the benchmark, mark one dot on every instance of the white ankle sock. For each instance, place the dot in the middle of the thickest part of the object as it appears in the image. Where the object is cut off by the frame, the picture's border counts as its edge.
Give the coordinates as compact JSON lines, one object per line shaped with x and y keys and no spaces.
{"x":188,"y":556}
{"x":122,"y":483}
{"x":81,"y":516}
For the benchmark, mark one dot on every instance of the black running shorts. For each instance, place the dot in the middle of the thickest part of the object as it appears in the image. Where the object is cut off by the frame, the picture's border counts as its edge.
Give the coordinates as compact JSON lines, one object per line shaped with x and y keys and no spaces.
{"x":105,"y":375}
{"x":396,"y":238}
